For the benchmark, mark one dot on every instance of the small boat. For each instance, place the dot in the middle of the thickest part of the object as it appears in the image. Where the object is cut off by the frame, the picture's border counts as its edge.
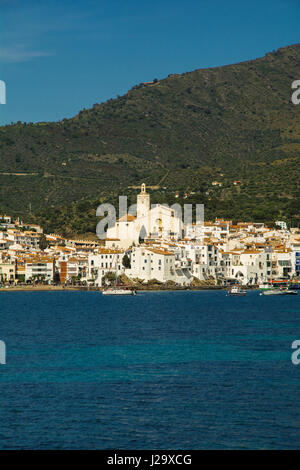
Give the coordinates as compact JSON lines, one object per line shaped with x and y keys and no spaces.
{"x":290,"y":292}
{"x":264,"y":286}
{"x":118,"y":291}
{"x":274,"y":291}
{"x":235,"y":291}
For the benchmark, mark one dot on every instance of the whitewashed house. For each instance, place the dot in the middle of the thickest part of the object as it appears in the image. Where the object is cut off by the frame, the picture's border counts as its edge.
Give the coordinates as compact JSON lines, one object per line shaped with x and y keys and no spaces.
{"x":104,"y":262}
{"x":152,"y":263}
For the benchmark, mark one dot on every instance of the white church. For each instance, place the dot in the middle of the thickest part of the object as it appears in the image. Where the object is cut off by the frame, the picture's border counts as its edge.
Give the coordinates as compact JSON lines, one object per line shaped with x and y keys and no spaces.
{"x":150,"y":222}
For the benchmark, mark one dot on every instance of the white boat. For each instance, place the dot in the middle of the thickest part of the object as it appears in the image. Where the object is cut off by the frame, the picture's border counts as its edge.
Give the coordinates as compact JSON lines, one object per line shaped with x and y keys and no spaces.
{"x":236,"y":290}
{"x":274,"y":291}
{"x":264,"y":286}
{"x":290,"y":292}
{"x":118,"y":291}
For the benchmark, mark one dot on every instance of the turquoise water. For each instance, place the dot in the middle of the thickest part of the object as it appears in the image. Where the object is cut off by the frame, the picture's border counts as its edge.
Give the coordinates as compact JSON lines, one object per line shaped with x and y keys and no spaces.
{"x":161,"y":370}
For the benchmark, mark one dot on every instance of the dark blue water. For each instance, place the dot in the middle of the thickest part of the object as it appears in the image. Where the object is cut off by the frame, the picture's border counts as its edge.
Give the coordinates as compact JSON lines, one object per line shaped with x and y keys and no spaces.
{"x":162,"y":370}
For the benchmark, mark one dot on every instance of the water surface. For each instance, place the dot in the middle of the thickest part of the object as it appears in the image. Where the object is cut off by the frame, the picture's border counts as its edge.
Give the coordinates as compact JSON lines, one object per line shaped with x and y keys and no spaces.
{"x":160,"y":370}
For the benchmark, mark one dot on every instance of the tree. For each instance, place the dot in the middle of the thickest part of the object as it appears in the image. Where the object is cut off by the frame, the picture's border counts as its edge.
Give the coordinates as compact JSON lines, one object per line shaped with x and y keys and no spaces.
{"x":109,"y":277}
{"x":126,"y":261}
{"x":43,"y":242}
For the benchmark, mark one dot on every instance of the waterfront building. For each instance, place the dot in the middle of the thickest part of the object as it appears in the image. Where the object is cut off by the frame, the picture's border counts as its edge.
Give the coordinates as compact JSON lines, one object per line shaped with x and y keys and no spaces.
{"x":295,"y":247}
{"x":152,"y":263}
{"x":103,"y":262}
{"x":72,"y":269}
{"x":282,"y":266}
{"x":39,"y":268}
{"x":7,"y":272}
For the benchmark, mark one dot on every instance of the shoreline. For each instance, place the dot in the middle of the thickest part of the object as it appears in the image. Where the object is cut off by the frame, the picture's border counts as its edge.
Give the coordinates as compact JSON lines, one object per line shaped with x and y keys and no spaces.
{"x":97,"y":289}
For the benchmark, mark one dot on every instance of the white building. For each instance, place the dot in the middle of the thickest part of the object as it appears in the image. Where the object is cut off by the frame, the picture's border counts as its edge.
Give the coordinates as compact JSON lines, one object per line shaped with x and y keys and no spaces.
{"x":155,"y":222}
{"x":282,"y":266}
{"x":281,"y":224}
{"x":39,"y":269}
{"x":104,"y":262}
{"x":152,"y":263}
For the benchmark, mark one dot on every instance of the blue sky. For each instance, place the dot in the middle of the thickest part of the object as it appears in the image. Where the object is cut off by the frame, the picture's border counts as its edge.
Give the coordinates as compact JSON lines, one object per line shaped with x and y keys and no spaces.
{"x":59,"y":56}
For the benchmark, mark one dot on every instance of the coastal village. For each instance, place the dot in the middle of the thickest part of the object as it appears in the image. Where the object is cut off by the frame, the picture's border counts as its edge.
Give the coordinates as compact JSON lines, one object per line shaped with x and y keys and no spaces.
{"x":152,"y":248}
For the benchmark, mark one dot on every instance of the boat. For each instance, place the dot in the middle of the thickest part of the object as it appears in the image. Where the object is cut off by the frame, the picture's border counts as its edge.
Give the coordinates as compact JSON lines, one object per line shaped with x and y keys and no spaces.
{"x":236,"y":291}
{"x":115,"y":290}
{"x":290,"y":292}
{"x":274,"y":291}
{"x":264,"y":286}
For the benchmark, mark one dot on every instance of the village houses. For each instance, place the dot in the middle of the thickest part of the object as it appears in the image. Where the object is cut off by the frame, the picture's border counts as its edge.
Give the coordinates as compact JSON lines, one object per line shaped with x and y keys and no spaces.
{"x":152,"y":245}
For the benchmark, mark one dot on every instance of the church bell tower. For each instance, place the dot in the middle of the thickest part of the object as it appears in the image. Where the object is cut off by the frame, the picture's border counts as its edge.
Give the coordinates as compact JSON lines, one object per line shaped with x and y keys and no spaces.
{"x":143,"y":202}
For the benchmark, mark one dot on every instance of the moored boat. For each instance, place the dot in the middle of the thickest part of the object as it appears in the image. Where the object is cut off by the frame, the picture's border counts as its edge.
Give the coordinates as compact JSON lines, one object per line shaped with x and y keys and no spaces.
{"x":236,"y":291}
{"x":264,"y":286}
{"x":274,"y":291}
{"x":118,"y":291}
{"x":291,"y":292}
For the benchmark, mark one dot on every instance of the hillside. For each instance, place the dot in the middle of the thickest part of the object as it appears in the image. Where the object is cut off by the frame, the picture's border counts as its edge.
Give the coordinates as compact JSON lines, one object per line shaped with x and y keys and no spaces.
{"x":228,"y":123}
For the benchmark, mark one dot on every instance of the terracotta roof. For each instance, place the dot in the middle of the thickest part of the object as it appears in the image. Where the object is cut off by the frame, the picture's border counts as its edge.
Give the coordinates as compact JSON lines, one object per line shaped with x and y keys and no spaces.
{"x":108,"y":251}
{"x":127,"y":218}
{"x":34,"y":260}
{"x":160,"y":251}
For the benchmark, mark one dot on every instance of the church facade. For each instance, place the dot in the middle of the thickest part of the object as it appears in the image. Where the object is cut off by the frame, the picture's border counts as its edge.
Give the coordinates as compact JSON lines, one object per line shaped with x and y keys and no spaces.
{"x":150,"y":222}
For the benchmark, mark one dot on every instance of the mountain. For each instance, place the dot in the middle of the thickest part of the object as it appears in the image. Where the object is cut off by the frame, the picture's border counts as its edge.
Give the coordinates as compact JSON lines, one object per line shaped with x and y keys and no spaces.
{"x":228,"y":123}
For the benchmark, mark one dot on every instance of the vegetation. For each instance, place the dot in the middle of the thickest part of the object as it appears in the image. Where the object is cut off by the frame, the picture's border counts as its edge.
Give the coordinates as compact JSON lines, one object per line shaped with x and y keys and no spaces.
{"x":126,"y":261}
{"x":43,"y":244}
{"x":225,"y":124}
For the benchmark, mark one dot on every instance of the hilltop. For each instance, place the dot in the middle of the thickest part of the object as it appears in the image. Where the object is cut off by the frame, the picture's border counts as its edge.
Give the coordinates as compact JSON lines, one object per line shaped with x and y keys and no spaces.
{"x":182,"y":133}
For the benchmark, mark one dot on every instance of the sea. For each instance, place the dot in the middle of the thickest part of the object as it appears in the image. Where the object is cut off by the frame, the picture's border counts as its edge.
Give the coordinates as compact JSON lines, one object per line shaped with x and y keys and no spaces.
{"x":159,"y":370}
